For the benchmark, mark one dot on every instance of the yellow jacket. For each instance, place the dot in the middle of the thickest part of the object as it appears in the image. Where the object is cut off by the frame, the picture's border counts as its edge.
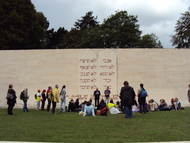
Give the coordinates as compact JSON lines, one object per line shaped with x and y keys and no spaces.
{"x":38,"y":96}
{"x":55,"y":93}
{"x":110,"y":105}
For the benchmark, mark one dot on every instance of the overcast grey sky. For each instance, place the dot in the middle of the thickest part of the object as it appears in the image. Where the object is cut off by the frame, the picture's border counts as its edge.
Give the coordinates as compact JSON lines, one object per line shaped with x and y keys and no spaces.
{"x":154,"y":16}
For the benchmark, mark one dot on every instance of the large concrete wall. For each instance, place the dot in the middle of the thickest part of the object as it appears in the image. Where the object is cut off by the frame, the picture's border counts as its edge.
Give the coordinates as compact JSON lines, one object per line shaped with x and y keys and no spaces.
{"x":164,"y":72}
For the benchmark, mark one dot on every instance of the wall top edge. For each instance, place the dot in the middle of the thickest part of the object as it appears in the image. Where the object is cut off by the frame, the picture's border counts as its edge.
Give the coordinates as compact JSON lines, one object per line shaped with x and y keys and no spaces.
{"x":99,"y":49}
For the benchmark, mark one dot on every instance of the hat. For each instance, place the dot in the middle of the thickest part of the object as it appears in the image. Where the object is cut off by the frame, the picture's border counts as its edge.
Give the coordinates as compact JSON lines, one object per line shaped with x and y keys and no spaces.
{"x":39,"y":90}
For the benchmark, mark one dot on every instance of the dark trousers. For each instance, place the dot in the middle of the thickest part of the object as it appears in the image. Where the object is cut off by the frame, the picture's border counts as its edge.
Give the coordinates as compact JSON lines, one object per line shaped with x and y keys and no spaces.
{"x":42,"y":106}
{"x":10,"y":109}
{"x":53,"y":106}
{"x":49,"y":104}
{"x":96,"y":101}
{"x":142,"y":107}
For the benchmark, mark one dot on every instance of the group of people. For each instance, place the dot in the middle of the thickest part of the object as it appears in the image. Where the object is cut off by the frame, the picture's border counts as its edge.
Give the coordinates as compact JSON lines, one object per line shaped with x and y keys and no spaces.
{"x":127,"y":105}
{"x":52,"y":95}
{"x":152,"y":105}
{"x":163,"y":106}
{"x":97,"y":94}
{"x":88,"y":108}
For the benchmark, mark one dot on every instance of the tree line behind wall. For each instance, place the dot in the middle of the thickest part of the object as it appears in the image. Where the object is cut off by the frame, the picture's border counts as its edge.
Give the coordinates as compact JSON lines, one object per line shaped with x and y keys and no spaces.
{"x":22,"y":27}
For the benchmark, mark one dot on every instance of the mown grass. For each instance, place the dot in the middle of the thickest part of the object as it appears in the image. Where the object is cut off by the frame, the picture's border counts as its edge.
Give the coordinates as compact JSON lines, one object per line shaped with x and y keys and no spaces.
{"x":42,"y":126}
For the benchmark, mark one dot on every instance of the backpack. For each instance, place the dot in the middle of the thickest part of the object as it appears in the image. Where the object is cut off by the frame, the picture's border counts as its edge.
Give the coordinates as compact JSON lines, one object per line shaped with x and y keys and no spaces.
{"x":103,"y":112}
{"x":35,"y":96}
{"x":143,"y":93}
{"x":22,"y":95}
{"x":50,"y":95}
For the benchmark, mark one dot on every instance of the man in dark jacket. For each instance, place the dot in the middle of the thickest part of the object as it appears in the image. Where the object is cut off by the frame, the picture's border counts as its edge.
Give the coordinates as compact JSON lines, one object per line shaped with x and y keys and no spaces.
{"x":24,"y":97}
{"x":127,"y":96}
{"x":12,"y":100}
{"x":97,"y":97}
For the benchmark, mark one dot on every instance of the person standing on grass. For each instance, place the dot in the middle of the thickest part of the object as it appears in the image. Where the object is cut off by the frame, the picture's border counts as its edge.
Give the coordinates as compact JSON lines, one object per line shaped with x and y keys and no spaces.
{"x":188,"y":93}
{"x":37,"y":96}
{"x":97,"y":97}
{"x":63,"y":99}
{"x":24,"y":97}
{"x":127,"y":96}
{"x":11,"y":100}
{"x":55,"y":98}
{"x":107,"y":95}
{"x":49,"y":97}
{"x":142,"y":99}
{"x":43,"y":99}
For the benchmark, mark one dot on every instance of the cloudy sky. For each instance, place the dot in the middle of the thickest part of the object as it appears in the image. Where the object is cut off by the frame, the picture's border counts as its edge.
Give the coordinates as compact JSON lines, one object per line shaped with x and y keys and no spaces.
{"x":154,"y":16}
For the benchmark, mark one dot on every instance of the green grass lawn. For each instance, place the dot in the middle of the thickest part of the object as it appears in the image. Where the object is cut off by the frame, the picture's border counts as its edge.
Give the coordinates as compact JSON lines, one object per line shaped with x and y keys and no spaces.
{"x":42,"y":126}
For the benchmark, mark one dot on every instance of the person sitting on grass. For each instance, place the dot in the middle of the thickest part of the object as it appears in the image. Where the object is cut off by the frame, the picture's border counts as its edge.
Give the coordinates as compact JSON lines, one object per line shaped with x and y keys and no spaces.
{"x":163,"y":104}
{"x":77,"y":109}
{"x":135,"y":107}
{"x":178,"y":103}
{"x":102,"y":108}
{"x":112,"y":108}
{"x":175,"y":104}
{"x":101,"y":105}
{"x":88,"y":109}
{"x":153,"y":106}
{"x":82,"y":105}
{"x":71,"y":105}
{"x":119,"y":107}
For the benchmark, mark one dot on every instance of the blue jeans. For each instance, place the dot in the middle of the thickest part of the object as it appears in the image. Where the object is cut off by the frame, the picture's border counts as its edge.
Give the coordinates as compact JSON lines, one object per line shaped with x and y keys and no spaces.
{"x":128,"y":111}
{"x":25,"y":106}
{"x":62,"y":105}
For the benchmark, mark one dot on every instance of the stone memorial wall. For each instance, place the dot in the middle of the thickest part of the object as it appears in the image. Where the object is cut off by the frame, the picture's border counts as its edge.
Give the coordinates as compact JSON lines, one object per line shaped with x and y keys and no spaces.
{"x":164,"y":72}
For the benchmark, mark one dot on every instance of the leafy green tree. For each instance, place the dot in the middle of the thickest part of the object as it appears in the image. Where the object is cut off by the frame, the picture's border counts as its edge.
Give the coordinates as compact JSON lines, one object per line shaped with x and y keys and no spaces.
{"x":21,"y":27}
{"x":72,"y":39}
{"x":54,"y":38}
{"x":150,"y":41}
{"x":92,"y":38}
{"x":182,"y":36}
{"x":87,"y":21}
{"x":120,"y":31}
{"x":74,"y":36}
{"x":49,"y":39}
